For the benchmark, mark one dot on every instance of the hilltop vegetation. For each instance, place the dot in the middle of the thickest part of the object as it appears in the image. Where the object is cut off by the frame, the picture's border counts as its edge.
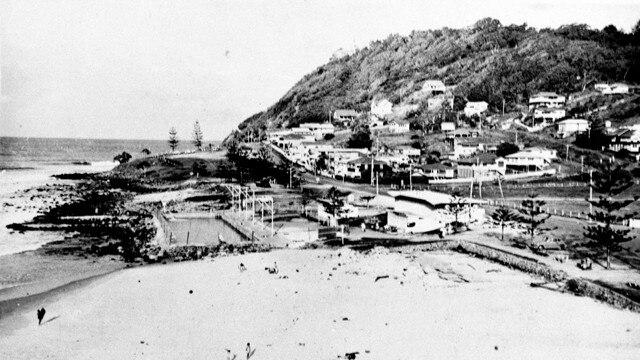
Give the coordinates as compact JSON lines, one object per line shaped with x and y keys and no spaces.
{"x":487,"y":61}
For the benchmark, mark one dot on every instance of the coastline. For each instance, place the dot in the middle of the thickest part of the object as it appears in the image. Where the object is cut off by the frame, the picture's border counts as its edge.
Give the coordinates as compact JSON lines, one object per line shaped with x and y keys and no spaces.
{"x":30,"y":263}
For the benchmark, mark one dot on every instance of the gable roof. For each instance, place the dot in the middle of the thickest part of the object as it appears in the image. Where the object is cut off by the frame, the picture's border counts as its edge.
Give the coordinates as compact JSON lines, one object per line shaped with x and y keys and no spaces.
{"x":345,"y":112}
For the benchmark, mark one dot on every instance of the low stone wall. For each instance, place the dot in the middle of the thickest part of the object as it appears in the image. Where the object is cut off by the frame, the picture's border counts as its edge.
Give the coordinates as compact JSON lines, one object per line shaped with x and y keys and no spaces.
{"x":576,"y":286}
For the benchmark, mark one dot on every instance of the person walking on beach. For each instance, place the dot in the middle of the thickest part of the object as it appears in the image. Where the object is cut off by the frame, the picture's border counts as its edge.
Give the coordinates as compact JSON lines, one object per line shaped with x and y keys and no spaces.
{"x":41,"y":313}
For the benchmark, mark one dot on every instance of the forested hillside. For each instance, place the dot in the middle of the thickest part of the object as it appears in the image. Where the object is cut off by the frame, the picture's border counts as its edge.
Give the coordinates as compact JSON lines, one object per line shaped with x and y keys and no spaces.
{"x":486,"y":61}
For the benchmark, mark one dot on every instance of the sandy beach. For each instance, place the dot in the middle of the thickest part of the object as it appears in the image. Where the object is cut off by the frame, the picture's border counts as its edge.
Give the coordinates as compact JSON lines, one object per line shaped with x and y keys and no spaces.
{"x":322,"y":304}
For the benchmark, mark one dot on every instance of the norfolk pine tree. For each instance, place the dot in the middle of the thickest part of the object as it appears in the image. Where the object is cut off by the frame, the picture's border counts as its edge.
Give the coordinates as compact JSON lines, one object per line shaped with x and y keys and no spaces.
{"x":503,"y":215}
{"x":532,"y":215}
{"x":197,"y":136}
{"x":173,"y":139}
{"x":609,"y":180}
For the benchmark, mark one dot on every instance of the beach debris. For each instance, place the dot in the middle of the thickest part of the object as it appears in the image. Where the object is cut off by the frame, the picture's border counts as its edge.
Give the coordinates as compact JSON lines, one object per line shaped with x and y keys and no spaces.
{"x":241,"y":267}
{"x":190,"y":291}
{"x":345,"y":319}
{"x":351,"y":355}
{"x":493,"y":270}
{"x":229,"y":357}
{"x":41,"y":313}
{"x":381,"y":277}
{"x":272,"y":270}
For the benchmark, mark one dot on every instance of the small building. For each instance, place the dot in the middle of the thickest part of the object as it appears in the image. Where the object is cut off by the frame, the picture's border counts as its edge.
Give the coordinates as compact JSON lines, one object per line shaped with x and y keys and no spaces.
{"x":549,"y":114}
{"x":546,"y":99}
{"x":569,"y":127}
{"x":475,"y":108}
{"x":426,"y":211}
{"x":530,"y":159}
{"x":610,"y":89}
{"x":624,"y":139}
{"x":447,"y":127}
{"x":434,"y":87}
{"x":344,"y":116}
{"x":319,"y":130}
{"x":438,"y":171}
{"x":398,"y":126}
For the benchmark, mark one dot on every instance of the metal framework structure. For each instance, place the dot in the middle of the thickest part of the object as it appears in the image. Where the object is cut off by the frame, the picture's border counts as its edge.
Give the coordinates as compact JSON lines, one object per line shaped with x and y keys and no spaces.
{"x":242,"y":198}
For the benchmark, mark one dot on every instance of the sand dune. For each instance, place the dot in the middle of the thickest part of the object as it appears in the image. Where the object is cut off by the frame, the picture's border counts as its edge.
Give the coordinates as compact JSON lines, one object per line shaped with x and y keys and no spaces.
{"x":321,"y":305}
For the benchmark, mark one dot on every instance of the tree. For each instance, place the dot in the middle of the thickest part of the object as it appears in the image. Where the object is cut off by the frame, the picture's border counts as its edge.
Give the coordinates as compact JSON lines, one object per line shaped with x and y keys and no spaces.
{"x":334,"y":201}
{"x":146,"y":152}
{"x":173,"y":139}
{"x":503,"y":215}
{"x":456,"y":206}
{"x":199,"y":168}
{"x":532,"y":215}
{"x":305,"y":200}
{"x":609,"y":180}
{"x":360,"y":139}
{"x":122,"y":158}
{"x":197,"y":136}
{"x":506,"y":148}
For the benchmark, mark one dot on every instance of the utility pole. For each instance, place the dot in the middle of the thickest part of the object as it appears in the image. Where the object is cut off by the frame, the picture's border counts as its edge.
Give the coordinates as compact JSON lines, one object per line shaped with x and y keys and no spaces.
{"x":567,"y":156}
{"x":377,"y":185}
{"x":581,"y":164}
{"x":290,"y":176}
{"x":590,"y":191}
{"x":410,"y":178}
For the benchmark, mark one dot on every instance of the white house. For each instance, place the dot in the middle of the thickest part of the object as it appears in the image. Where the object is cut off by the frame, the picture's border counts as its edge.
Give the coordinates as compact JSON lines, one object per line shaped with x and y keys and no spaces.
{"x":319,"y":130}
{"x":569,"y":127}
{"x":427,"y":211}
{"x":551,"y":114}
{"x":617,"y":88}
{"x":534,"y":158}
{"x":381,"y":108}
{"x":398,"y":126}
{"x":435,"y":87}
{"x":447,"y":127}
{"x":548,"y":99}
{"x":344,"y":115}
{"x":475,"y":108}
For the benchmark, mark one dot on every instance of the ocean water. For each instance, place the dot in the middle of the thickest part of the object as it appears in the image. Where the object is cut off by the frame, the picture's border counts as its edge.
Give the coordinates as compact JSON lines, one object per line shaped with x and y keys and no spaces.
{"x":17,"y":152}
{"x":30,"y":162}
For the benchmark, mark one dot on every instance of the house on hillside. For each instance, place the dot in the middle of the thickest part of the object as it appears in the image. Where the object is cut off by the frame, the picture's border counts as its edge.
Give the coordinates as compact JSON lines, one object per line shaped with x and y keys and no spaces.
{"x":319,"y":130}
{"x":546,"y":99}
{"x":570,"y":127}
{"x":549,"y":114}
{"x":438,"y":171}
{"x":344,"y":117}
{"x":381,"y":108}
{"x":530,"y":159}
{"x":624,"y":139}
{"x":360,"y":168}
{"x":475,"y":108}
{"x":398,"y":126}
{"x":610,"y":89}
{"x":447,"y":127}
{"x":434,"y":87}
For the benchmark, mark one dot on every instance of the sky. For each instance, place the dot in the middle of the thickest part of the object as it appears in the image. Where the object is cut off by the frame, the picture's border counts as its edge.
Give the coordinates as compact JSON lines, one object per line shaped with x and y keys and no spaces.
{"x":133,"y":69}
